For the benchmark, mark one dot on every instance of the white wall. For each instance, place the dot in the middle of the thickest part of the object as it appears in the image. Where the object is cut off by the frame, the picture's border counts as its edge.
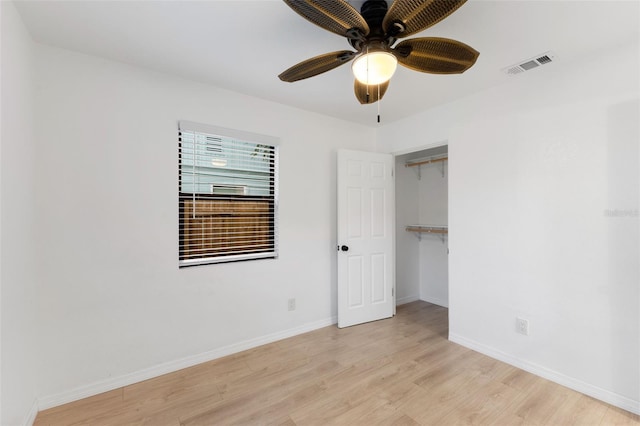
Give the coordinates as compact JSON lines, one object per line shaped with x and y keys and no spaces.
{"x":113,"y":304}
{"x":433,"y":207}
{"x":17,"y":254}
{"x":537,"y":166}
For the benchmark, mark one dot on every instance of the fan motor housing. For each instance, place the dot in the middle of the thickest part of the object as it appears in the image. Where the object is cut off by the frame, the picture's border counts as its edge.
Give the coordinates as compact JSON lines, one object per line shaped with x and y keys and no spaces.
{"x":373,"y":11}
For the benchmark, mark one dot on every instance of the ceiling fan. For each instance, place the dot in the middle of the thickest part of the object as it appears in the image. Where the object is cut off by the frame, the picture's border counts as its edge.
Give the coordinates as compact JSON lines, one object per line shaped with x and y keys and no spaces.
{"x":373,"y":33}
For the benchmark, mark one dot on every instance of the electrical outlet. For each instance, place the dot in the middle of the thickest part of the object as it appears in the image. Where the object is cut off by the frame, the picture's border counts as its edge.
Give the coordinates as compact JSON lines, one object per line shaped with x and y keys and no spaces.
{"x":292,"y":304}
{"x":522,"y":326}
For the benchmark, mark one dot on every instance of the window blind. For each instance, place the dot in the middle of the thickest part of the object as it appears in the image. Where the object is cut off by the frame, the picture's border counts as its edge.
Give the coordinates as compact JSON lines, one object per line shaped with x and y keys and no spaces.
{"x":228,"y":195}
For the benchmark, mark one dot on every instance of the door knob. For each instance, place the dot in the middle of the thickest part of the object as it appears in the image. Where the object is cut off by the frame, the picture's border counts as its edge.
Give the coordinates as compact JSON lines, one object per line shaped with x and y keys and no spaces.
{"x":344,"y":248}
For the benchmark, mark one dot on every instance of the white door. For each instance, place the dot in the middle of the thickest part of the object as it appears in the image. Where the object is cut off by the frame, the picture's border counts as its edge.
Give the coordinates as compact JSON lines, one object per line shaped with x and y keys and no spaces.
{"x":366,"y":261}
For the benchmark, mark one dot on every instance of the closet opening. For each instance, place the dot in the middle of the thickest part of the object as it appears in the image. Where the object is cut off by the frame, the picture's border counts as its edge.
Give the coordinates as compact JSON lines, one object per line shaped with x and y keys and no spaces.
{"x":422,"y":241}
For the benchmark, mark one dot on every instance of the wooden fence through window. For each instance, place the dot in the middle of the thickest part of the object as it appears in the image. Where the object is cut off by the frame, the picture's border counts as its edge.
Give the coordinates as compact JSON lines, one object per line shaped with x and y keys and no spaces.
{"x":219,"y":227}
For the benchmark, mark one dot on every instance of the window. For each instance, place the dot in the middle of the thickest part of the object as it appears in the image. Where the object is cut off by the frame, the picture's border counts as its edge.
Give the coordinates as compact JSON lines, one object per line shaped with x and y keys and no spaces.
{"x":228,"y":195}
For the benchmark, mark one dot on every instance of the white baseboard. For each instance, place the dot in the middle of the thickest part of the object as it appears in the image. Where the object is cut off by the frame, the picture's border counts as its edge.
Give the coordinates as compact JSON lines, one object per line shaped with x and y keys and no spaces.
{"x":609,"y":397}
{"x":405,"y":300}
{"x":172,"y":366}
{"x":31,"y":415}
{"x":435,"y":301}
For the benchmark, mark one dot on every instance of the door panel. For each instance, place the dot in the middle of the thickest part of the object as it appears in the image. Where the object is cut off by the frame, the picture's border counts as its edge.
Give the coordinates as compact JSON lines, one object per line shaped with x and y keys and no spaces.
{"x":378,"y":285}
{"x":366,"y":229}
{"x":355,"y":284}
{"x":377,"y":213}
{"x":354,"y":211}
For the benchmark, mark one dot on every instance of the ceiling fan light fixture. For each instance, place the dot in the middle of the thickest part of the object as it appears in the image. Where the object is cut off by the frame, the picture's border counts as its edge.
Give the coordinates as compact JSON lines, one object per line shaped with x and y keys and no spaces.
{"x":374,"y":67}
{"x":373,"y":33}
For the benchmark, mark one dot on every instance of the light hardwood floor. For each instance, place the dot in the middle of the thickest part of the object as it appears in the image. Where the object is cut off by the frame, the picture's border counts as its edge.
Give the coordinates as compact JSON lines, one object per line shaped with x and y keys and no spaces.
{"x":400,"y":371}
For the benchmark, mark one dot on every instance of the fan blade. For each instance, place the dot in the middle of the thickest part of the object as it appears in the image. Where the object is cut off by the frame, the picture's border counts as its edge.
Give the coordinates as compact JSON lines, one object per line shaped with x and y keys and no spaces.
{"x":417,"y":15}
{"x":317,"y":65}
{"x":336,"y":16}
{"x":370,"y":94}
{"x":436,"y":55}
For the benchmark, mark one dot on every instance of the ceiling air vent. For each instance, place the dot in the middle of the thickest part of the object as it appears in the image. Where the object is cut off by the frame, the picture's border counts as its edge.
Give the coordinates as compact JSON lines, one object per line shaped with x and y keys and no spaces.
{"x":529,"y":64}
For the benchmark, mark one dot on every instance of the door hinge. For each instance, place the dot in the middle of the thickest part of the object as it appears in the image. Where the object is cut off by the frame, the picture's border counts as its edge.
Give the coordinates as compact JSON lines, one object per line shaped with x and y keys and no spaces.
{"x":392,"y":292}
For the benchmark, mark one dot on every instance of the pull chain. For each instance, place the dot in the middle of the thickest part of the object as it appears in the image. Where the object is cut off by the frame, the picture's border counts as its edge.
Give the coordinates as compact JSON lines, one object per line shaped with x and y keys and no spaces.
{"x":379,"y":100}
{"x":368,"y":97}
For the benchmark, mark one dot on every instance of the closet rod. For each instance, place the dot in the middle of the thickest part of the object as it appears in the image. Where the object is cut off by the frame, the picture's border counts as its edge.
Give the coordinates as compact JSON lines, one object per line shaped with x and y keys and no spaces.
{"x":428,"y":229}
{"x":419,"y":163}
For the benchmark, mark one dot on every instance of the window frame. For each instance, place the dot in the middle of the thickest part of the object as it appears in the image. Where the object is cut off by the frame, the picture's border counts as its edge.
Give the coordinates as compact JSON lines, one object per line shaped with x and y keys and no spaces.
{"x":272,"y":198}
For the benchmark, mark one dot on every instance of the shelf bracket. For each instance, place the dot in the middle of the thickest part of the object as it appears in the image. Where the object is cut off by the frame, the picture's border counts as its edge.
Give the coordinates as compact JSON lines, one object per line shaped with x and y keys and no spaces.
{"x":419,"y":172}
{"x":419,"y":236}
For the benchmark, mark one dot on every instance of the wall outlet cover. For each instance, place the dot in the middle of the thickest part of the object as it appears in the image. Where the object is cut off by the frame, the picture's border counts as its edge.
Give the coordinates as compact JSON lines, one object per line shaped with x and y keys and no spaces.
{"x":522,"y":326}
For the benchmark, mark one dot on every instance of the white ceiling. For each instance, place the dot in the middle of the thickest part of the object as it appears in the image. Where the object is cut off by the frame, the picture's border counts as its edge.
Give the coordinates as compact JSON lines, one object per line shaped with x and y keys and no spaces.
{"x":243,"y":45}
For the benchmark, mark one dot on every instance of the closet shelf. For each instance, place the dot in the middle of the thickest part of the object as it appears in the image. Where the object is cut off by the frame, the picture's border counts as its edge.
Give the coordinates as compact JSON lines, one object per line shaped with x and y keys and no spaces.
{"x":441,"y":231}
{"x":431,"y":229}
{"x":425,"y":161}
{"x":429,"y":160}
